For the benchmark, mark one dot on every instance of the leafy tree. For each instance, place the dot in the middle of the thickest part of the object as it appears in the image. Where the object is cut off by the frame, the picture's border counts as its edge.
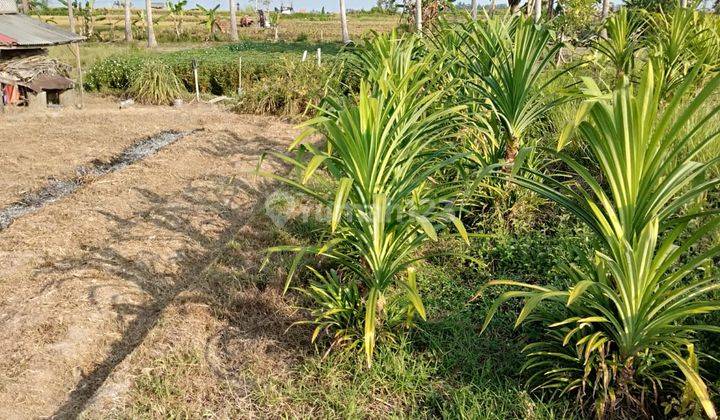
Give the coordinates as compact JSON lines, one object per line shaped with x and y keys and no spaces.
{"x":211,"y":20}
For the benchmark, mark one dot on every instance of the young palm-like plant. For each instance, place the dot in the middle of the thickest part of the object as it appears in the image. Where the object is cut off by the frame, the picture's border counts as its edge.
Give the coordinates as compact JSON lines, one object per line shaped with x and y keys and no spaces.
{"x":618,"y":335}
{"x":672,"y":46}
{"x":383,"y":148}
{"x":508,"y":62}
{"x":621,"y":42}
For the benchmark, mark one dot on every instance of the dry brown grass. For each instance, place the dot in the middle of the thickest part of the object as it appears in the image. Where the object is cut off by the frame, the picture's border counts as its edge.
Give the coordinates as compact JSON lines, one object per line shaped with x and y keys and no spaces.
{"x":89,"y":279}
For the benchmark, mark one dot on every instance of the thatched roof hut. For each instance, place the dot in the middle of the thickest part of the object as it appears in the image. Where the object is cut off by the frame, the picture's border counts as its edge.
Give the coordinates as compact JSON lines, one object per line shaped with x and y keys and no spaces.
{"x":25,"y":68}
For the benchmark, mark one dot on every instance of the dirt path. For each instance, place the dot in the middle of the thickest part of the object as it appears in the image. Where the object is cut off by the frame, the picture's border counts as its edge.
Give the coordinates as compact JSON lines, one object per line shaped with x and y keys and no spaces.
{"x":85,"y":280}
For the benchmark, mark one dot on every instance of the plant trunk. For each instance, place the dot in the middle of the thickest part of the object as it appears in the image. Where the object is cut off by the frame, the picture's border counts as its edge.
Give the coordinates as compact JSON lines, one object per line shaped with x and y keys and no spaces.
{"x":551,"y":9}
{"x":128,"y":22}
{"x":605,"y":9}
{"x":151,"y":42}
{"x":343,"y":23}
{"x":514,"y":7}
{"x":511,"y":150}
{"x":71,"y":16}
{"x":26,"y":7}
{"x":473,"y":9}
{"x":418,"y":16}
{"x":537,"y":13}
{"x":492,"y":7}
{"x":233,"y":21}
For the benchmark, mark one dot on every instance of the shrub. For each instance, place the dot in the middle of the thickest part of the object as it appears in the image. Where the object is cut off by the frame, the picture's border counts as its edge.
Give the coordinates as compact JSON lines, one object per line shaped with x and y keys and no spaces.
{"x":292,"y":89}
{"x":622,"y":41}
{"x":382,"y":150}
{"x":624,"y":330}
{"x":506,"y":61}
{"x":114,"y":73}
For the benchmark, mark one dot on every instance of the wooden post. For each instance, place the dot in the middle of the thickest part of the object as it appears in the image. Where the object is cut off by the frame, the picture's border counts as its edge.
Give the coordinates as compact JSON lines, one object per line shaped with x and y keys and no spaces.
{"x":239,"y":75}
{"x":81,"y":91}
{"x":197,"y":83}
{"x":2,"y":99}
{"x":319,"y":57}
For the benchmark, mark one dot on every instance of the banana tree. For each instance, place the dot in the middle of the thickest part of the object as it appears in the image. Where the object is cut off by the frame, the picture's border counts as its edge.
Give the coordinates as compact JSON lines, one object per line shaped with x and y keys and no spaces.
{"x":177,"y":15}
{"x":211,"y":20}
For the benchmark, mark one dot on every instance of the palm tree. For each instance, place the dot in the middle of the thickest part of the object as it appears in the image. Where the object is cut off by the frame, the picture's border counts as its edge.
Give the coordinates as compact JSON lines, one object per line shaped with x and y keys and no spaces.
{"x":71,"y":17}
{"x":514,"y":6}
{"x":233,"y":21}
{"x":152,"y":43}
{"x":538,"y":10}
{"x":343,"y":23}
{"x":128,"y":22}
{"x":473,"y":9}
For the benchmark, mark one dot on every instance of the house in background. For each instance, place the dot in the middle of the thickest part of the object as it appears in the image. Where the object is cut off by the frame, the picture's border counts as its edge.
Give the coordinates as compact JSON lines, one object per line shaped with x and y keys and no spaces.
{"x":28,"y":77}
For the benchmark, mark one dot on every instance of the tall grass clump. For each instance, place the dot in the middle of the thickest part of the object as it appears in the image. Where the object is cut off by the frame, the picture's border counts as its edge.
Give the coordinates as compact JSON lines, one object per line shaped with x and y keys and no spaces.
{"x":384,"y":145}
{"x":622,"y":337}
{"x":156,"y":84}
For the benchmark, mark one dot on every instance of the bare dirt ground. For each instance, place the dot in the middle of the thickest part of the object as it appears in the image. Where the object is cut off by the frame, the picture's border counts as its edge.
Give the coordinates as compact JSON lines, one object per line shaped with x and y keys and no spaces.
{"x":102,"y":287}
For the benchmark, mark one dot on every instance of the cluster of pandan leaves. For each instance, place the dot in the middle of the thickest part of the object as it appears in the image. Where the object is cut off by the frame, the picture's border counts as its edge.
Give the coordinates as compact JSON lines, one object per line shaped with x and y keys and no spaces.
{"x":439,"y":117}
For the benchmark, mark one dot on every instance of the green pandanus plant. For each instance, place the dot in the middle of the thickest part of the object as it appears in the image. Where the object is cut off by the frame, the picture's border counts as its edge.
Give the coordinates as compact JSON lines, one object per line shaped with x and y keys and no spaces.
{"x":620,"y":42}
{"x":384,"y":147}
{"x":622,"y":330}
{"x":508,"y":63}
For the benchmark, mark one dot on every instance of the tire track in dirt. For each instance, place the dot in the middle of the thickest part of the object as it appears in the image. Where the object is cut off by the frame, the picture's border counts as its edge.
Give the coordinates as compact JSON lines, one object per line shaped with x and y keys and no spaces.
{"x":84,"y":280}
{"x":56,"y":189}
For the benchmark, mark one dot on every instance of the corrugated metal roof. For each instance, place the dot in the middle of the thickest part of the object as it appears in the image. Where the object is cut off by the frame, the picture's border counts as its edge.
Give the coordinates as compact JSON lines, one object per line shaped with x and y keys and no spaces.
{"x":20,"y":31}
